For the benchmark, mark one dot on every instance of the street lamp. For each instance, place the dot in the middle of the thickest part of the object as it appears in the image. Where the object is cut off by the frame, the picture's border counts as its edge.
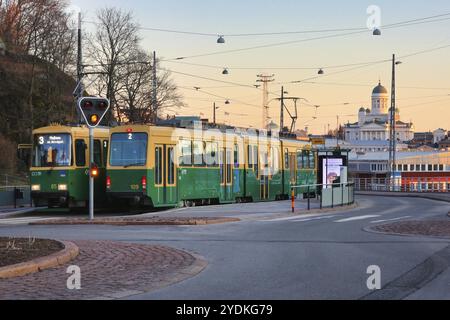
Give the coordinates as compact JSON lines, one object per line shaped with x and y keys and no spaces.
{"x":220,"y":40}
{"x":225,"y":71}
{"x":321,"y":72}
{"x":217,"y":108}
{"x":393,"y":123}
{"x":377,"y":32}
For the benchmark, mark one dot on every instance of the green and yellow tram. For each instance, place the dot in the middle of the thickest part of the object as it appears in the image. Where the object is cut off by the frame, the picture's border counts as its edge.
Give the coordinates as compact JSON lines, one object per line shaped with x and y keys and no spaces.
{"x":171,"y":166}
{"x":60,"y":166}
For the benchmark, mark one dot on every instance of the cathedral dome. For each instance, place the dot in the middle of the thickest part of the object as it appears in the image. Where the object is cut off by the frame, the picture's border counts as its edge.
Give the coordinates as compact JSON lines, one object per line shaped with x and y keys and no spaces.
{"x":379,"y":89}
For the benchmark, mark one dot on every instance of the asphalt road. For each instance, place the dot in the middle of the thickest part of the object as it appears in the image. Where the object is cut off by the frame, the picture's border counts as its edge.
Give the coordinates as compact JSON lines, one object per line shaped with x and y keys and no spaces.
{"x":279,"y":256}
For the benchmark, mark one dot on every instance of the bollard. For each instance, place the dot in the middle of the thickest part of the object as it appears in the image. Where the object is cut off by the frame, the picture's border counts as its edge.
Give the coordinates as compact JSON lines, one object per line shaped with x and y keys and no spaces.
{"x":293,"y":200}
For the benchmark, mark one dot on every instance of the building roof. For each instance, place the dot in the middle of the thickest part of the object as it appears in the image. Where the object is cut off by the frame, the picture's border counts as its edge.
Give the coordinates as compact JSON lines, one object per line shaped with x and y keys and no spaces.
{"x":379,"y":89}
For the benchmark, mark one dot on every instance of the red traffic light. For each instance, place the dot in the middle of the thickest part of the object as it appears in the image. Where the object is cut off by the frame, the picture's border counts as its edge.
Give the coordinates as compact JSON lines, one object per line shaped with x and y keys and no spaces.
{"x":102,"y":105}
{"x":88,"y":104}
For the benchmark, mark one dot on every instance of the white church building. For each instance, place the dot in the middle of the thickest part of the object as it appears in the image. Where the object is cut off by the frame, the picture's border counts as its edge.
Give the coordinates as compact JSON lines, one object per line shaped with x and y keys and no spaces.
{"x":371,"y":132}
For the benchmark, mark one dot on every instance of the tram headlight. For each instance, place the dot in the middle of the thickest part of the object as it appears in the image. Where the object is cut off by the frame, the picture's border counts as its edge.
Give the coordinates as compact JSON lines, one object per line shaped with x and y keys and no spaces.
{"x":62,"y":187}
{"x":36,"y":187}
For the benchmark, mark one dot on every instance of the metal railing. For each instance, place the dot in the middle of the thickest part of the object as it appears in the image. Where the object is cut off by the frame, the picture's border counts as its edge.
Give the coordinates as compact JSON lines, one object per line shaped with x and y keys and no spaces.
{"x":329,"y":195}
{"x":420,"y":185}
{"x":15,"y":196}
{"x":7,"y":180}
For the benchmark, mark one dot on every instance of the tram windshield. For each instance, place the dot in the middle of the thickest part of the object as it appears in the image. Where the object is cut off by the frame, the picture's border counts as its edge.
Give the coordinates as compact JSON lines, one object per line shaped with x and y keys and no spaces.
{"x":52,"y":150}
{"x":128,"y":149}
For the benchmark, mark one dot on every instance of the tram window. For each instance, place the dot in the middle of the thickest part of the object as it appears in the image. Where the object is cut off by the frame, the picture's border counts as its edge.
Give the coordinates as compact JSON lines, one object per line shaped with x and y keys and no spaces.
{"x":170,"y":166}
{"x":158,"y":166}
{"x":198,"y":153}
{"x":299,"y":160}
{"x":286,"y":159}
{"x":222,"y":166}
{"x":312,"y":162}
{"x":256,"y":160}
{"x":97,"y":152}
{"x":80,"y":153}
{"x":105,"y":151}
{"x":305,"y":159}
{"x":52,"y":150}
{"x":229,"y":167}
{"x":236,"y":156}
{"x":211,"y":154}
{"x":128,"y":150}
{"x":185,"y":153}
{"x":273,"y":160}
{"x":250,"y":157}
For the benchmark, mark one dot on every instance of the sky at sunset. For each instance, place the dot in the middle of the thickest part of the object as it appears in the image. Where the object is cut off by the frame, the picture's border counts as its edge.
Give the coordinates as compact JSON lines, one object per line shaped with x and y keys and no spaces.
{"x":423,"y":80}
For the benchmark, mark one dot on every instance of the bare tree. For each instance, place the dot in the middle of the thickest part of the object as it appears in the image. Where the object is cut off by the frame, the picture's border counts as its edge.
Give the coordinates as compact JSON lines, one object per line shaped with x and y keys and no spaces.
{"x":136,"y":93}
{"x":113,"y":43}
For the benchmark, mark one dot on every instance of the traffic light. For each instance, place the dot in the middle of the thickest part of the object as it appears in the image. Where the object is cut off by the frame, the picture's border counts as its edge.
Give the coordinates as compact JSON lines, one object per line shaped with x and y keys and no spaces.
{"x":93,"y":109}
{"x":94,"y":171}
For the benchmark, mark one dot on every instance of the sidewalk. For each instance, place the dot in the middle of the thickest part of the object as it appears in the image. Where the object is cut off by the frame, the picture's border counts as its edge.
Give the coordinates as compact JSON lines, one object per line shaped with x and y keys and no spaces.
{"x":10,"y":211}
{"x":426,"y":195}
{"x":437,"y":289}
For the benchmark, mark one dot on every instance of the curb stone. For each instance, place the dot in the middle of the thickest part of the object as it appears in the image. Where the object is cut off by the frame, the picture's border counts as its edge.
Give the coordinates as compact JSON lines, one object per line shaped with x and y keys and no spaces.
{"x":69,"y":252}
{"x":142,"y":222}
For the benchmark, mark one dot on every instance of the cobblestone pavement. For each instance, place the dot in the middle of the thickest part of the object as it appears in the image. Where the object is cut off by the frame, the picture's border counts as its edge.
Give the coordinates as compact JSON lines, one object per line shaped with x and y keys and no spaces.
{"x":436,"y":228}
{"x":109,"y":270}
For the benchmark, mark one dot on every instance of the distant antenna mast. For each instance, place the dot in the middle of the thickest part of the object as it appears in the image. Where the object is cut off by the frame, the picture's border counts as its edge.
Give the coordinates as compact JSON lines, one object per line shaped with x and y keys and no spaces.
{"x":265,"y":79}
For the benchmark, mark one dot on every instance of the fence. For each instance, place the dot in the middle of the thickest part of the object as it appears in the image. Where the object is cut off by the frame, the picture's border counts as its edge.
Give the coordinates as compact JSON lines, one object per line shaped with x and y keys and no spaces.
{"x":7,"y":180}
{"x":15,"y":196}
{"x":432,"y":185}
{"x":329,"y":195}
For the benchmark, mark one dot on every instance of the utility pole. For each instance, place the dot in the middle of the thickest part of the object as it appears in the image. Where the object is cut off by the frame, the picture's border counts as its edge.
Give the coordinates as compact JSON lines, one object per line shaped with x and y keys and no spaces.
{"x":154,"y":93}
{"x":293,"y":116}
{"x":79,"y":89}
{"x":214,"y":113}
{"x":337,"y":132}
{"x":265,"y":79}
{"x":392,"y":130}
{"x":282,"y":110}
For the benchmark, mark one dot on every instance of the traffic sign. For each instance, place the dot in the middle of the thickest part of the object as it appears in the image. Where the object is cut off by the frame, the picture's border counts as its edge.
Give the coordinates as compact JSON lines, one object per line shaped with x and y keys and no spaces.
{"x":93,"y":110}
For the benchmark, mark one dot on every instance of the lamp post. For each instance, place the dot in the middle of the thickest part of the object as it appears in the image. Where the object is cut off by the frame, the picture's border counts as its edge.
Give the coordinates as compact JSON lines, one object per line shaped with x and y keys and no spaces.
{"x":216,"y":108}
{"x":393,"y":122}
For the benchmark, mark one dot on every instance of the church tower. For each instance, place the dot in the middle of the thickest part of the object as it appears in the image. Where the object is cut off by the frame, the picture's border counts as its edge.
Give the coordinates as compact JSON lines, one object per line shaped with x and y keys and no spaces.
{"x":380,"y":99}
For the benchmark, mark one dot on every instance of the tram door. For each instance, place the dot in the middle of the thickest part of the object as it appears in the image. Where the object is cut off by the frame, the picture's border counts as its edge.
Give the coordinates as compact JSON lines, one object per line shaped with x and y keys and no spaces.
{"x":165,"y":174}
{"x":226,"y":175}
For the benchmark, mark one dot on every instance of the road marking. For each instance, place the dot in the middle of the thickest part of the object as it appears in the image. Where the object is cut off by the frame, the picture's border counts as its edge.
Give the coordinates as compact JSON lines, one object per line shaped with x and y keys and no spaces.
{"x":297,"y":218}
{"x":357,"y":218}
{"x":313,"y":219}
{"x":395,"y":219}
